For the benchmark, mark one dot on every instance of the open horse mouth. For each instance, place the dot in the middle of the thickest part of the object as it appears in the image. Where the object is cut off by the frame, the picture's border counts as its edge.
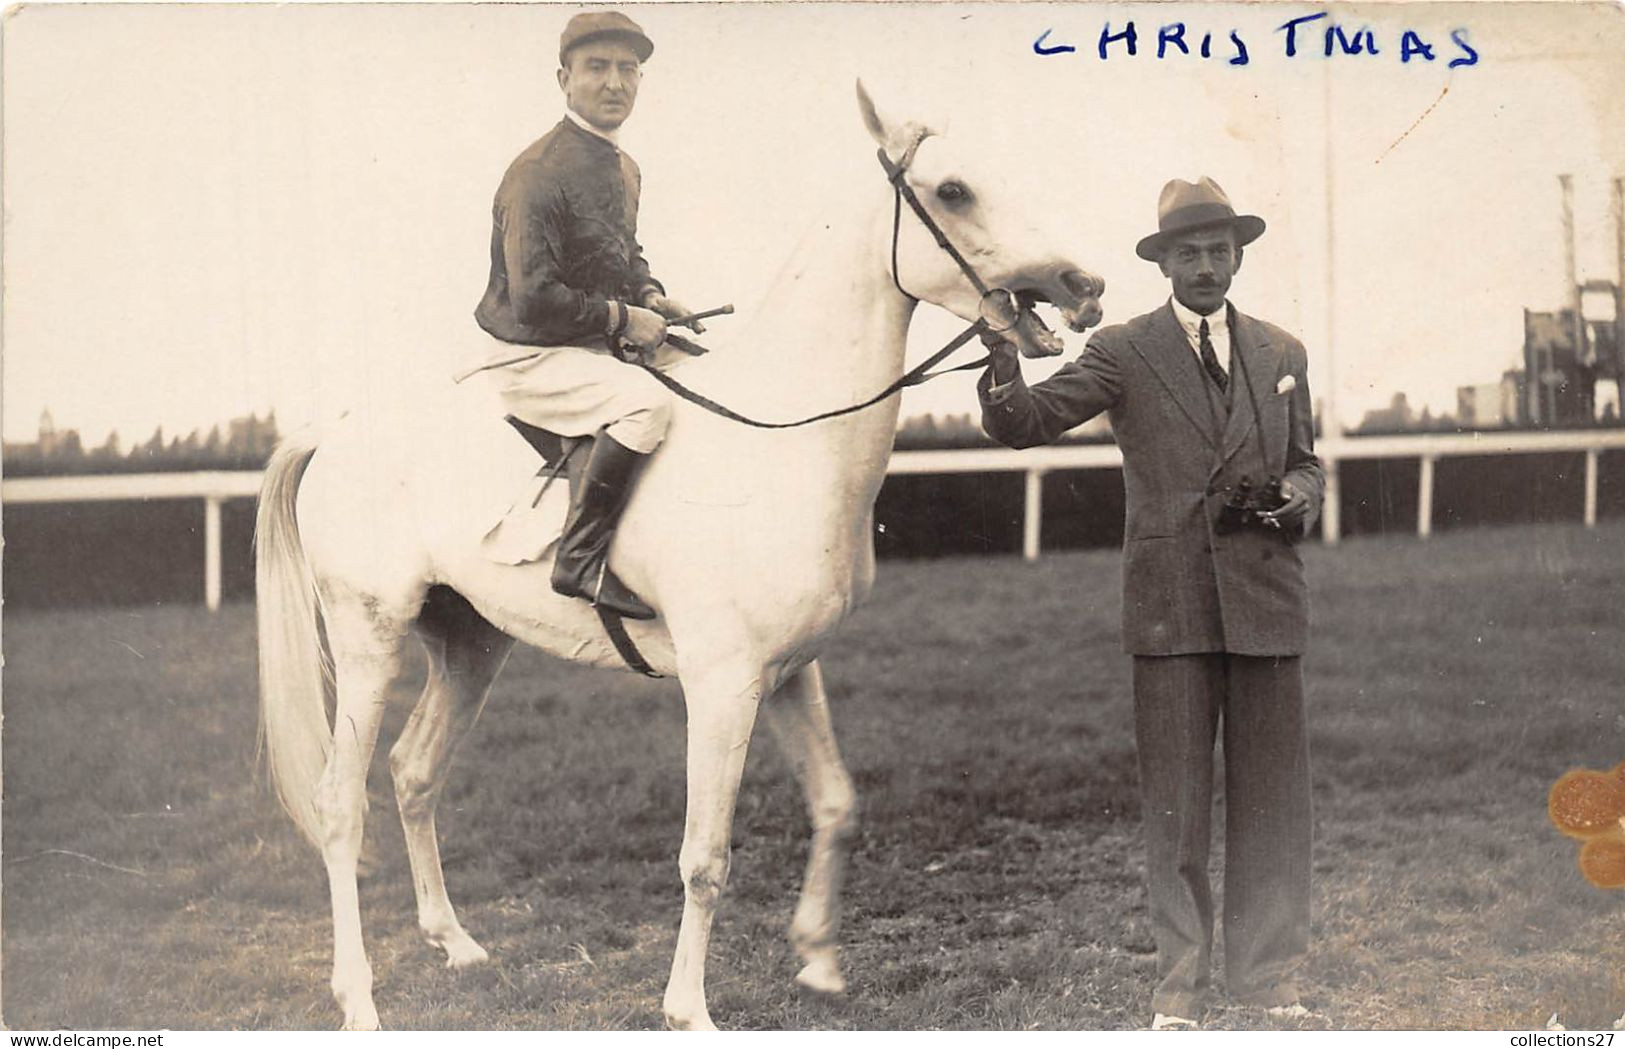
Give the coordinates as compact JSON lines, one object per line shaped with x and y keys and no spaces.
{"x":1073,"y":292}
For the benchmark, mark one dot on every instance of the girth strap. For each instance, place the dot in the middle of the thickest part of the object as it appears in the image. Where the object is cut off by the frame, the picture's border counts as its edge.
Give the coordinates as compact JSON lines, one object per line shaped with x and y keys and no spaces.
{"x":615,"y":627}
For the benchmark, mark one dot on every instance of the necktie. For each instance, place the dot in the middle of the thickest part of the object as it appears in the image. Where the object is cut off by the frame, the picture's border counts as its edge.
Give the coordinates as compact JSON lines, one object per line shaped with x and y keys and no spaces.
{"x":1210,"y":360}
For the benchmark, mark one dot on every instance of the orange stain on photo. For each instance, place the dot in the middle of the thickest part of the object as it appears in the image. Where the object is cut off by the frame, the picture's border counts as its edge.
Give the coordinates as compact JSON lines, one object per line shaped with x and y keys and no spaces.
{"x":1590,"y":806}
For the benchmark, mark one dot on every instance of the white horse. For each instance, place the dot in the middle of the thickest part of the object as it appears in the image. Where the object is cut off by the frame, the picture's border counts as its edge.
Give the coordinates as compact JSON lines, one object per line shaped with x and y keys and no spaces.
{"x":752,"y":543}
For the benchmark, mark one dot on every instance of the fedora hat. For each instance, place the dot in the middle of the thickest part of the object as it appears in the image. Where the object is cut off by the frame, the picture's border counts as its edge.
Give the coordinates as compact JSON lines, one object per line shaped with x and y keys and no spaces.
{"x":1185,"y":206}
{"x":598,"y":25}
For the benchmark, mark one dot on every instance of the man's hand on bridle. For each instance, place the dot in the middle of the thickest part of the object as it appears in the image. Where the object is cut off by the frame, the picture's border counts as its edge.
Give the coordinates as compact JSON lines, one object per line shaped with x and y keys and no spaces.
{"x":1005,"y":359}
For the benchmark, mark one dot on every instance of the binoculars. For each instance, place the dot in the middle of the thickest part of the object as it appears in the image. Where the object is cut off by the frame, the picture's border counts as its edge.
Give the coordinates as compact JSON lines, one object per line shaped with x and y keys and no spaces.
{"x":1248,"y":505}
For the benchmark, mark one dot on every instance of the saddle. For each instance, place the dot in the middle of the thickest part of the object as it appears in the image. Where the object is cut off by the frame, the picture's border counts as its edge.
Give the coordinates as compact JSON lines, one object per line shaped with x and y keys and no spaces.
{"x":542,"y":476}
{"x":560,"y":454}
{"x":567,"y":456}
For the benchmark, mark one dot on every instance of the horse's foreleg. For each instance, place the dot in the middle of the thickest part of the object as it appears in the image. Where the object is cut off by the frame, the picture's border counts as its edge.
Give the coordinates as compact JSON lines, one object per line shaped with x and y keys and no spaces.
{"x":363,"y":677}
{"x":721,"y":714}
{"x":798,"y":716}
{"x":465,"y":655}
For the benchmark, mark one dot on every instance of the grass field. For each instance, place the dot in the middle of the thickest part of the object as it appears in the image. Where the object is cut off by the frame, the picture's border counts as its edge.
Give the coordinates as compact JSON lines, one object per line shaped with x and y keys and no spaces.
{"x":150,"y":881}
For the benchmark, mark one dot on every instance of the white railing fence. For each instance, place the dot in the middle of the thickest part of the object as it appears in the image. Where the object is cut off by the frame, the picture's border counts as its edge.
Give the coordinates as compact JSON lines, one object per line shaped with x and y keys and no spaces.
{"x":217,"y":486}
{"x":213,"y":487}
{"x":1427,"y":448}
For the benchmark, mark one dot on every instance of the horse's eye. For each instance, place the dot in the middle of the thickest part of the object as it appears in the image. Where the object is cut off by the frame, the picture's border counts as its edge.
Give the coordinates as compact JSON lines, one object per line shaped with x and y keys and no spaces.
{"x":953,"y":192}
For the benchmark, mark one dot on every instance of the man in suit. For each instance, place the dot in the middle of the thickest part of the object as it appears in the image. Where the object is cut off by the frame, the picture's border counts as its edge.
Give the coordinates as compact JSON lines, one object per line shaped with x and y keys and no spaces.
{"x":1209,"y":406}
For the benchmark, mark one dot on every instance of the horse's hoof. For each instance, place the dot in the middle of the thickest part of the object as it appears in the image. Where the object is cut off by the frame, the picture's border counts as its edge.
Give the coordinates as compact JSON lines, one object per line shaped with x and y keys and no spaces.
{"x":363,"y":1020}
{"x":821,"y":976}
{"x":821,"y":979}
{"x":355,"y":1002}
{"x":462,"y":951}
{"x":464,"y":954}
{"x":702,"y":1022}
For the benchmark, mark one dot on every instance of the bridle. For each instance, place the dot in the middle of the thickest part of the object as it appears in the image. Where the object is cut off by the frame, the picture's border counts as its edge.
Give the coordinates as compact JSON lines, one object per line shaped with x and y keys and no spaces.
{"x":903,"y":191}
{"x":999,"y":302}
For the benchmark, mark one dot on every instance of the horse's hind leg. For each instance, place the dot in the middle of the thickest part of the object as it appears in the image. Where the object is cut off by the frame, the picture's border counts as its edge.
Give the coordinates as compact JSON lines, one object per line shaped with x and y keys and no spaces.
{"x":465,"y":655}
{"x":798,"y":716}
{"x":366,"y":643}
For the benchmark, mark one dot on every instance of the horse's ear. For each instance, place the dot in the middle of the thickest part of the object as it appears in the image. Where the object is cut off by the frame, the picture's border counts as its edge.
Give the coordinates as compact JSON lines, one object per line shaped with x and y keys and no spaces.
{"x":871,"y":117}
{"x":895,"y":137}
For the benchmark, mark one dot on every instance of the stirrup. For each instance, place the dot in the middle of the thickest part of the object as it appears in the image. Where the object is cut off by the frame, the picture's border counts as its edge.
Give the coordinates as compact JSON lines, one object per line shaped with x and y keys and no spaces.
{"x":630,"y":605}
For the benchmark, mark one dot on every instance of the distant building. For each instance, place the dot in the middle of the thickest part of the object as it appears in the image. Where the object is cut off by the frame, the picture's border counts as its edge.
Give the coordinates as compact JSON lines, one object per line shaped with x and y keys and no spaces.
{"x":47,"y":433}
{"x":55,"y":444}
{"x":1562,"y":383}
{"x":1479,"y":407}
{"x":1396,"y":418}
{"x":1491,"y":404}
{"x":1603,"y":348}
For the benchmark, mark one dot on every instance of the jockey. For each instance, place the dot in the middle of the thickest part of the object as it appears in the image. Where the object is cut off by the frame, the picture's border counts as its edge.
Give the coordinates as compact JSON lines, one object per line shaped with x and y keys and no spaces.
{"x":567,"y":273}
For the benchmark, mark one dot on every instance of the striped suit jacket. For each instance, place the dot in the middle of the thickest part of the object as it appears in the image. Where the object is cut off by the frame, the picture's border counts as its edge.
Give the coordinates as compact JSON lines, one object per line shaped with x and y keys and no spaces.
{"x":1186,"y":447}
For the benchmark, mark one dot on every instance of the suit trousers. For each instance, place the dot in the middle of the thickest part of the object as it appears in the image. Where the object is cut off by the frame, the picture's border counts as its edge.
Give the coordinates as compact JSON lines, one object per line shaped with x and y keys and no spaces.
{"x":1179,"y":702}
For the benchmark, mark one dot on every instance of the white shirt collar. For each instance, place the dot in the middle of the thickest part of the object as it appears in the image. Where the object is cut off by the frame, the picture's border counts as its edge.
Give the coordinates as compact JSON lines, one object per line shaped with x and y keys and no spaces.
{"x":1218,"y":329}
{"x":1218,"y":322}
{"x":612,"y":137}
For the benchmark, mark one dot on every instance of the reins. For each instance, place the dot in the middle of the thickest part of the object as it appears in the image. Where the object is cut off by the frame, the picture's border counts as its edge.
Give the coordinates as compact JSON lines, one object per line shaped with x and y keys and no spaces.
{"x":913,"y":377}
{"x":920,"y":373}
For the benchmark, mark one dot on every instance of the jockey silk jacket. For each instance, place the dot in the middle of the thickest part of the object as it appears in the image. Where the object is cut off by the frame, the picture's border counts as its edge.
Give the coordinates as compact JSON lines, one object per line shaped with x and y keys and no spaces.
{"x":564,"y":242}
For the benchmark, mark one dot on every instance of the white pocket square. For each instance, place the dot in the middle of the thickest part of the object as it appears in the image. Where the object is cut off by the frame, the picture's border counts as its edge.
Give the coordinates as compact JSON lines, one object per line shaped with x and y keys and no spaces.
{"x":1287,"y":384}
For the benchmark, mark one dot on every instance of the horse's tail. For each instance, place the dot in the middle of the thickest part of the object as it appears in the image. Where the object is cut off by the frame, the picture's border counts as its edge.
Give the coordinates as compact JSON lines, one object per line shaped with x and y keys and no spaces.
{"x":296,"y":670}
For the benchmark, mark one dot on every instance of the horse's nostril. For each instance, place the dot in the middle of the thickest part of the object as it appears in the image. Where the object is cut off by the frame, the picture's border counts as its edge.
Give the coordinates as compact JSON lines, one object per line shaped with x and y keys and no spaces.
{"x":1084,"y":315}
{"x":1083,"y":285}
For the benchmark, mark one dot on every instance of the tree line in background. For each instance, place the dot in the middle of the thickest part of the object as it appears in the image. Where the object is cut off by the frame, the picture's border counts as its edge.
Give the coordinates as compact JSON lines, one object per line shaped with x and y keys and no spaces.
{"x":244,"y":443}
{"x":1400,"y":417}
{"x":965,"y":431}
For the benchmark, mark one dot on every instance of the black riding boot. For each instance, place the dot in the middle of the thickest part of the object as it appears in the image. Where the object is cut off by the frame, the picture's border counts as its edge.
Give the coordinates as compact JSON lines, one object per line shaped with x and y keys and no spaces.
{"x":580,"y":568}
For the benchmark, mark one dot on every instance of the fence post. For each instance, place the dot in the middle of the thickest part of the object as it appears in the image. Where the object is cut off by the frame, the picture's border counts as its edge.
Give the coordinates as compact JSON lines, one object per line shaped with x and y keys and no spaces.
{"x":1591,"y":488}
{"x":1331,"y":506}
{"x":211,"y":552}
{"x":1424,"y":499}
{"x":1032,"y":517}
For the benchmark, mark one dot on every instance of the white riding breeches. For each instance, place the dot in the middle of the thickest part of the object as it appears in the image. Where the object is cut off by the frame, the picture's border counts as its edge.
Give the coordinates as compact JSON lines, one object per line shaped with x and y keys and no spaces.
{"x":575,"y":392}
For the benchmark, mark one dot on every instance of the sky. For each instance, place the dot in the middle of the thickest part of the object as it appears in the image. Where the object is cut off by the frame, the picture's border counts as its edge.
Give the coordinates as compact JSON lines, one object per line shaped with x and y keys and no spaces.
{"x":216,"y":210}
